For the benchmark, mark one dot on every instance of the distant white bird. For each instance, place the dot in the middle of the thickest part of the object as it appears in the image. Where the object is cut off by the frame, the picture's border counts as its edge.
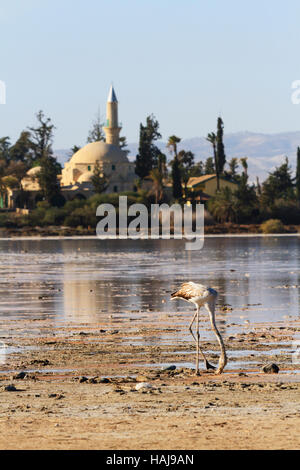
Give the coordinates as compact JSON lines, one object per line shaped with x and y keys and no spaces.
{"x":200,"y":295}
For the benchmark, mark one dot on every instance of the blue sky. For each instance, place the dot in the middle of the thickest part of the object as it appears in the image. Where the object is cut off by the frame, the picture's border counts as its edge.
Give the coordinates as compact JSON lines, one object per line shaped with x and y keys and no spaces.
{"x":184,"y":61}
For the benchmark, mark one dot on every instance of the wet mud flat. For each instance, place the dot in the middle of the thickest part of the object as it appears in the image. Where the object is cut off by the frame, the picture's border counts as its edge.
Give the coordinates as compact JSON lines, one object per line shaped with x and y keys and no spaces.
{"x":108,"y":384}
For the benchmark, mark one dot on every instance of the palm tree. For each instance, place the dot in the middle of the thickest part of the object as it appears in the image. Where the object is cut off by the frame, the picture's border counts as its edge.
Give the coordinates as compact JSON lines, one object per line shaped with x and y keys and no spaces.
{"x":172,"y":144}
{"x":176,"y":167}
{"x":244,"y":163}
{"x":212,"y":138}
{"x":157,"y":189}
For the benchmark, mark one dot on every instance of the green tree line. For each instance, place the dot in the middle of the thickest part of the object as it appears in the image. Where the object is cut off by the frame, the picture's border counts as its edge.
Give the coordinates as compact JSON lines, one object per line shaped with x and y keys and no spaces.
{"x":278,"y":197}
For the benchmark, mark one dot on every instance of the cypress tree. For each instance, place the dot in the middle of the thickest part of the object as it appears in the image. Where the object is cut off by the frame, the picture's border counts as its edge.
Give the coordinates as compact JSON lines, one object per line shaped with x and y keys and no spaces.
{"x":147,"y":157}
{"x":41,"y":141}
{"x":298,"y":174}
{"x":143,"y":162}
{"x":48,"y":181}
{"x":212,"y":138}
{"x":176,"y":179}
{"x":221,"y":157}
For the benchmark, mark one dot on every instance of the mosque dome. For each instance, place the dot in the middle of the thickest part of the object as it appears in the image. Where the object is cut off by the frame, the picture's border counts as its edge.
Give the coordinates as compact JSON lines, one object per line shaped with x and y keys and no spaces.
{"x":30,"y":181}
{"x":85,"y":177}
{"x":99,"y":151}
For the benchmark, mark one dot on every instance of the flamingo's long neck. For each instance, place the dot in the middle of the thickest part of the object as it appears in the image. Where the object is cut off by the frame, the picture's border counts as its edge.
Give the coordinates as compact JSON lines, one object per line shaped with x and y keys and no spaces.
{"x":223,"y":357}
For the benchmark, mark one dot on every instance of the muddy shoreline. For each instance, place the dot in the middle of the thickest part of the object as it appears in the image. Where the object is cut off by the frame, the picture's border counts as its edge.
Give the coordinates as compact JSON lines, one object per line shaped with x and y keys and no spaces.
{"x":54,"y":231}
{"x":79,"y":387}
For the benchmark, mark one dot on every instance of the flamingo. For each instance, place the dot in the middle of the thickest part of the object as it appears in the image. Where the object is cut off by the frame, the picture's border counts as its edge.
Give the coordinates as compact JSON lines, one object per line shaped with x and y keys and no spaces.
{"x":200,"y":295}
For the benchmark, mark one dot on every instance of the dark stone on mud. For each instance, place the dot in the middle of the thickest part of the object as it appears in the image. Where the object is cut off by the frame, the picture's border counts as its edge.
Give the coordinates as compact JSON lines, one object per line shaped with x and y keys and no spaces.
{"x":20,"y":376}
{"x":270,"y":369}
{"x":58,"y":396}
{"x":104,"y":381}
{"x":83,"y":379}
{"x":42,"y":362}
{"x":31,"y":377}
{"x":93,"y":380}
{"x":168,"y":368}
{"x":10,"y":388}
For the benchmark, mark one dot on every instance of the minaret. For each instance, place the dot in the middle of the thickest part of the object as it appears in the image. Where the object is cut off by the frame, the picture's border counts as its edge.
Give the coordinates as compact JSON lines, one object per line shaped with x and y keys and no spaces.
{"x":112,"y":129}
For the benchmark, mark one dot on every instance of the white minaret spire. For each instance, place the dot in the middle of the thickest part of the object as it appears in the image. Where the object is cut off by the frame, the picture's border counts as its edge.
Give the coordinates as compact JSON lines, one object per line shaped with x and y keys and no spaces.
{"x":112,"y":98}
{"x":112,"y":128}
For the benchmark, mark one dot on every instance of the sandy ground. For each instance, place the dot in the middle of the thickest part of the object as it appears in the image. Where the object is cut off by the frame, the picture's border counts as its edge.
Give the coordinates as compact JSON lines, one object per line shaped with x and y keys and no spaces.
{"x":64,"y":403}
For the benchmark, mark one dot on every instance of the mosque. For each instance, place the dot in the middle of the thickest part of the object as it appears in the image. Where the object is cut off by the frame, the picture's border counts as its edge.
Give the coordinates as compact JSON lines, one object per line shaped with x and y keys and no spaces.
{"x":113,"y":161}
{"x":75,"y":179}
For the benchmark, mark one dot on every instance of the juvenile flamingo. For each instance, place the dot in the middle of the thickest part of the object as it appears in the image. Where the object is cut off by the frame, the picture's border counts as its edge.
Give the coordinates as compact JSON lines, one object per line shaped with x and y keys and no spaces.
{"x":200,"y":295}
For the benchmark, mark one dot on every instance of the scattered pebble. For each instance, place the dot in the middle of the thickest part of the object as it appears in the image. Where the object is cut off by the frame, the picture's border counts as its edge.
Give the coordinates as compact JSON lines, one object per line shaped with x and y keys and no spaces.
{"x":42,"y":362}
{"x":20,"y":376}
{"x":168,"y":368}
{"x":143,"y":385}
{"x":104,"y":381}
{"x":142,"y":378}
{"x":270,"y":369}
{"x":10,"y":388}
{"x":92,"y":380}
{"x":83,"y":379}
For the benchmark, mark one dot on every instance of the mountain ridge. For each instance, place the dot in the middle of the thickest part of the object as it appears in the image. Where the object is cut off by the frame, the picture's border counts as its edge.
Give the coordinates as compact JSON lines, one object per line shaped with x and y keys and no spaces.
{"x":264,"y":151}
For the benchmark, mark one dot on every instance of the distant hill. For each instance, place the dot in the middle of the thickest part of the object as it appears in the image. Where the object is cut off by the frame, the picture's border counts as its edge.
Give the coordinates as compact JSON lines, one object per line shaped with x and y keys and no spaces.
{"x":264,"y":151}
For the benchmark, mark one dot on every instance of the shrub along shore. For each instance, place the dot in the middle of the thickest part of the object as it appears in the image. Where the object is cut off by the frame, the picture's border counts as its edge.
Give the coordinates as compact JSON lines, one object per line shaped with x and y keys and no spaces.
{"x":78,"y":218}
{"x":80,"y":231}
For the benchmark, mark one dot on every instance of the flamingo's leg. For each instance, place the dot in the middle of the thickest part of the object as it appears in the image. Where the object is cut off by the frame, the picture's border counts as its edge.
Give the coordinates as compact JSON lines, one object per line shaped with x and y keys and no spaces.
{"x":198,"y":344}
{"x":223,"y":358}
{"x":197,"y":340}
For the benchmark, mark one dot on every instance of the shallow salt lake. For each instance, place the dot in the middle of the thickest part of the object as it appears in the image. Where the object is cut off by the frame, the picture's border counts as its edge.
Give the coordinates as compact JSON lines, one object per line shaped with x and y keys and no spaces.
{"x":64,"y":288}
{"x":84,"y":279}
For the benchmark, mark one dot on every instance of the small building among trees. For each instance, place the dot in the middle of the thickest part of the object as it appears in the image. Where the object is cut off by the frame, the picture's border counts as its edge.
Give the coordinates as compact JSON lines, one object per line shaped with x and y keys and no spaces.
{"x":202,"y":188}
